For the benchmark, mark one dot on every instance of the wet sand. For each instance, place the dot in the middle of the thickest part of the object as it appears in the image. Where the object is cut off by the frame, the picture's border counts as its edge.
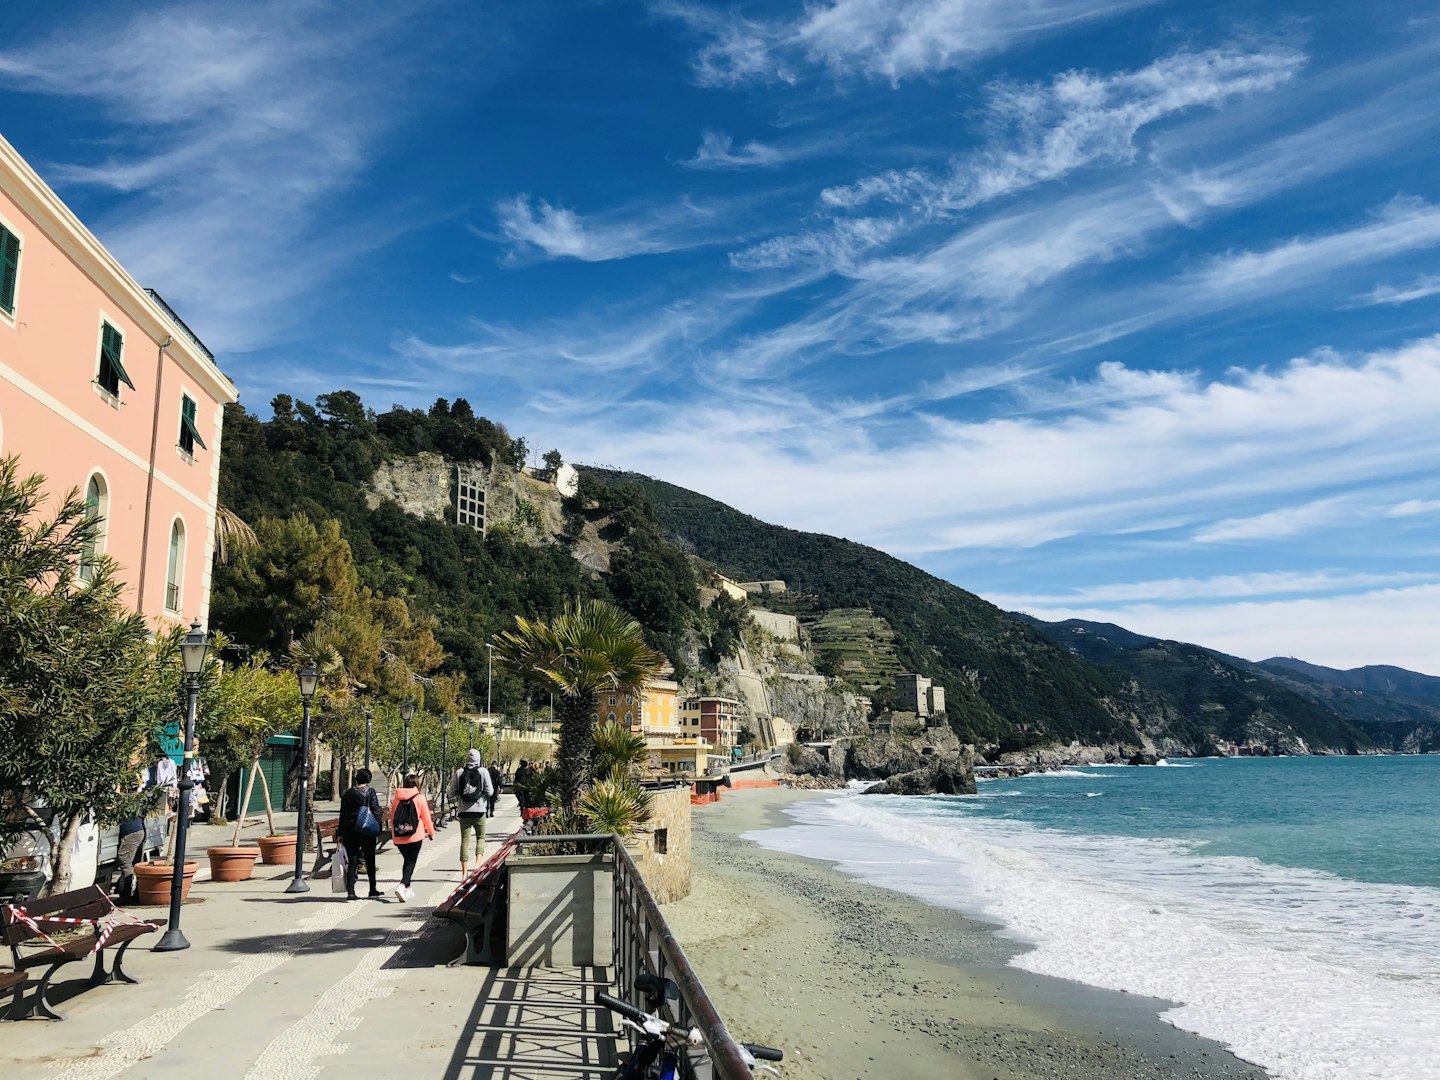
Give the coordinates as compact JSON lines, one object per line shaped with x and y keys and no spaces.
{"x":855,"y":981}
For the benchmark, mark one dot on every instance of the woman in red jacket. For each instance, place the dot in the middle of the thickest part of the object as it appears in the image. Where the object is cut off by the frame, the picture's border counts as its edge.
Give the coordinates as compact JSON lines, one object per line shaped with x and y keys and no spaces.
{"x":410,"y":825}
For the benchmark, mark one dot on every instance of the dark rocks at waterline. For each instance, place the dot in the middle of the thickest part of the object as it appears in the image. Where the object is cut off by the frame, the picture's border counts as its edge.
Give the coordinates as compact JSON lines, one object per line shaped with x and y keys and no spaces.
{"x":1143,"y":758}
{"x":948,"y":774}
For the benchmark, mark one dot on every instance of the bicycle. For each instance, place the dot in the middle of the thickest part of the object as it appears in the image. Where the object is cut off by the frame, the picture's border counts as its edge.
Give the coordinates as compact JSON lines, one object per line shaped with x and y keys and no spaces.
{"x":662,"y":1053}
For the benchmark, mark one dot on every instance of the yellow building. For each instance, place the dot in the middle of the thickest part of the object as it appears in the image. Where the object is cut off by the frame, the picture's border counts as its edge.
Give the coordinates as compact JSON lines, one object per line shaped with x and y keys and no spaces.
{"x":680,"y":757}
{"x":653,"y":713}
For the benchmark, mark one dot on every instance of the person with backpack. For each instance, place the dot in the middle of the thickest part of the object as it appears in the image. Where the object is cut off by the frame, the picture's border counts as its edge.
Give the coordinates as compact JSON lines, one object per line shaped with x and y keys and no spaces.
{"x":495,"y":779}
{"x":410,"y":826}
{"x":471,"y":789}
{"x":359,"y":829}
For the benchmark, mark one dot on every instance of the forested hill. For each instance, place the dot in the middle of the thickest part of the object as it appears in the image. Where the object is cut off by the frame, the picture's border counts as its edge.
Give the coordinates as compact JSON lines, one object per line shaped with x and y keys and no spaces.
{"x":1004,"y":682}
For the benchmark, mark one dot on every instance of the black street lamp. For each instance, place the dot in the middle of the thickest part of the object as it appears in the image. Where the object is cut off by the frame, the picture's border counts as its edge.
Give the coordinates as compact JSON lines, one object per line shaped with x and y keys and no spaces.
{"x":444,"y":768}
{"x":406,"y":712}
{"x":192,"y":658}
{"x":369,"y":716}
{"x":309,"y":682}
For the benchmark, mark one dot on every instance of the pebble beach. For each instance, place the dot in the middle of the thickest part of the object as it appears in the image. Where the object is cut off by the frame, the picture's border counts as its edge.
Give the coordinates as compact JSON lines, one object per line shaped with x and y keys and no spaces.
{"x":855,"y":981}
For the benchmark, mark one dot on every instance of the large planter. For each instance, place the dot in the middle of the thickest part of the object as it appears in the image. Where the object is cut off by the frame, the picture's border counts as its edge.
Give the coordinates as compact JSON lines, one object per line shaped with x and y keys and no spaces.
{"x":152,"y":880}
{"x":560,"y":910}
{"x":277,"y":850}
{"x":232,"y":863}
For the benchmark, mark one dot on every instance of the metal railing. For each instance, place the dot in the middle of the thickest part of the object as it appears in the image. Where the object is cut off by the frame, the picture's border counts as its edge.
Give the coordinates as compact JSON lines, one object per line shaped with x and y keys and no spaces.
{"x":179,"y":322}
{"x":645,"y":945}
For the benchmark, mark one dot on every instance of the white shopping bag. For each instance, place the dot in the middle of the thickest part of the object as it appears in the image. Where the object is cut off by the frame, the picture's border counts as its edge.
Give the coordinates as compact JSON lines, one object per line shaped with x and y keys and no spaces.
{"x":337,"y":870}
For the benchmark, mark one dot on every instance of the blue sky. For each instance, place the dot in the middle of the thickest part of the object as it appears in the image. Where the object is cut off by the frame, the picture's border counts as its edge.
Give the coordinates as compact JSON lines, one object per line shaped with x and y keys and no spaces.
{"x":1115,"y":309}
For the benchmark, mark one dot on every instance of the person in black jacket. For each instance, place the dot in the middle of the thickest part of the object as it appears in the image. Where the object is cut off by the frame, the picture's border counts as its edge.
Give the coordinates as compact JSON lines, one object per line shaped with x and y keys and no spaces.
{"x":357,"y":842}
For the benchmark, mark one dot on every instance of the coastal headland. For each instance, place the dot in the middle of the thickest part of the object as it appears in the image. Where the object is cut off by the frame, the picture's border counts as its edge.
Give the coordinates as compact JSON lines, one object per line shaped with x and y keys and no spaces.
{"x":851,"y":980}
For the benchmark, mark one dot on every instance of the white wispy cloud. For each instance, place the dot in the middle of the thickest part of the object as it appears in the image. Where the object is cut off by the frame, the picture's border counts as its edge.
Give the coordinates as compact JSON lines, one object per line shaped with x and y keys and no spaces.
{"x":535,"y":228}
{"x":882,"y":39}
{"x":718,"y":150}
{"x":1218,"y":586}
{"x":1037,"y":133}
{"x":1426,"y":285}
{"x":1043,"y":131}
{"x":1414,"y":508}
{"x":229,"y":146}
{"x":1276,"y":524}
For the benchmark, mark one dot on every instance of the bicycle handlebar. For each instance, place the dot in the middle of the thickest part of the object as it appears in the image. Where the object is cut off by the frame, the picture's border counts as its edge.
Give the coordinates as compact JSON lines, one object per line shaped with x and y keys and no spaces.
{"x":764,"y":1053}
{"x":614,"y":1004}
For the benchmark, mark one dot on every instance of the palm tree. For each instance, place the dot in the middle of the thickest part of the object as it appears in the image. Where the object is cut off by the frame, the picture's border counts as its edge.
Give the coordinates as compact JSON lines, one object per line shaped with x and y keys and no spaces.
{"x":589,"y":649}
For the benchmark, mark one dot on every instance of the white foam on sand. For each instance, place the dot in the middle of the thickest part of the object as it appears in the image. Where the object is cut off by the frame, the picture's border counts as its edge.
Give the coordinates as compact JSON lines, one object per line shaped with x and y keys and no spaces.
{"x":1310,"y":975}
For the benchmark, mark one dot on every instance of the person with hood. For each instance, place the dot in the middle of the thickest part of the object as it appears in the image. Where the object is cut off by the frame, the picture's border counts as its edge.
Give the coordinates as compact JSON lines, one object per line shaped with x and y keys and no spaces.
{"x":410,"y":826}
{"x":471,"y":788}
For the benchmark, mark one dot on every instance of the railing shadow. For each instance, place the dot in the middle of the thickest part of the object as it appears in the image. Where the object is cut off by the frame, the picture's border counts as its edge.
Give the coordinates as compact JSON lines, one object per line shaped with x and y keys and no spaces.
{"x":534,"y":1024}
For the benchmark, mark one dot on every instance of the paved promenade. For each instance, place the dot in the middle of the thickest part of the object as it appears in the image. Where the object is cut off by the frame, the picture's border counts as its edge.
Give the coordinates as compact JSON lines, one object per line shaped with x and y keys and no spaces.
{"x":281,"y":987}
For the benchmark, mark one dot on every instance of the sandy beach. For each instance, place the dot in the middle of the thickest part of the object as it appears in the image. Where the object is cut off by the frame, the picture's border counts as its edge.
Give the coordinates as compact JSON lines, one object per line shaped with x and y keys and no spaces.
{"x":854,"y":981}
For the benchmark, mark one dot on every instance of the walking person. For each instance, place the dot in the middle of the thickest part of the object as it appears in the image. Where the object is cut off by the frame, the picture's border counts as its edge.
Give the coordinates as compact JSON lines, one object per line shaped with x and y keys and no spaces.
{"x":495,"y":779}
{"x":471,"y":788}
{"x":359,"y":828}
{"x":522,"y":774}
{"x":410,"y":826}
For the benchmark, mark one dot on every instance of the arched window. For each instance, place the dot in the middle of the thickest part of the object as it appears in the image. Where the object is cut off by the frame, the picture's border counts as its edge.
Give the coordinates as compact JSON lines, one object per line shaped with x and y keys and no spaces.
{"x":175,"y":566}
{"x":97,"y":505}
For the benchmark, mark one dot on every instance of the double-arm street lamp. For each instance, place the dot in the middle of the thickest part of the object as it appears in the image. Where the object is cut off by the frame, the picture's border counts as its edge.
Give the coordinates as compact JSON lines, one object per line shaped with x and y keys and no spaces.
{"x":407,"y":710}
{"x":192,"y":658}
{"x":444,"y":768}
{"x":309,"y":682}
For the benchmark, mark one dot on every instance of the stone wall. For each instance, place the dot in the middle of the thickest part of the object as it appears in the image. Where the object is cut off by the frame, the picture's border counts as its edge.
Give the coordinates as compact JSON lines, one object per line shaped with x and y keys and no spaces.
{"x":784,"y":627}
{"x":668,"y":872}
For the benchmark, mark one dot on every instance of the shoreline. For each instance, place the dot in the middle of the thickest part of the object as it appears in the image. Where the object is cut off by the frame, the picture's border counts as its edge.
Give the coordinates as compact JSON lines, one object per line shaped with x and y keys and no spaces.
{"x":853,"y":980}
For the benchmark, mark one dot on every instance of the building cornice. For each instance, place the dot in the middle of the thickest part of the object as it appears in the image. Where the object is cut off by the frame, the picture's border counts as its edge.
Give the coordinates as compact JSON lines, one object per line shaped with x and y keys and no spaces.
{"x":68,"y":232}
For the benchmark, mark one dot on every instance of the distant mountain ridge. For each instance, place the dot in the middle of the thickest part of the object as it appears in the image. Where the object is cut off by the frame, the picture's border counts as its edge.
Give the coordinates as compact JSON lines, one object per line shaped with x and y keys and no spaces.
{"x":1213,"y":696}
{"x":1012,"y":681}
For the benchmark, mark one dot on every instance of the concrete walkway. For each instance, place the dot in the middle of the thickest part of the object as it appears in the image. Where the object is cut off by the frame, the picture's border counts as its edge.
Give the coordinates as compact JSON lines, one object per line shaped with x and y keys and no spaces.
{"x":276,"y":987}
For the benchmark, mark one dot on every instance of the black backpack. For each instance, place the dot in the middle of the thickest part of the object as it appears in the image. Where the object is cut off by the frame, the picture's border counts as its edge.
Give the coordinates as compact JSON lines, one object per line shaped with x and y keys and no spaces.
{"x":471,"y":784}
{"x":406,"y":819}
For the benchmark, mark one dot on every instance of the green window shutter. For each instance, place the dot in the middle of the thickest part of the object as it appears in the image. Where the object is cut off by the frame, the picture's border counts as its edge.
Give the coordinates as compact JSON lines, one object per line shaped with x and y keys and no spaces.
{"x":187,"y":423}
{"x":9,"y":268}
{"x":112,"y":344}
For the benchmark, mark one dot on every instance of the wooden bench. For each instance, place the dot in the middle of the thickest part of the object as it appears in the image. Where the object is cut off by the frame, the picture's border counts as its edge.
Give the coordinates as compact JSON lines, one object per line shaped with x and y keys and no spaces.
{"x":328,"y":832}
{"x":13,"y":983}
{"x":477,"y":904}
{"x":88,"y":923}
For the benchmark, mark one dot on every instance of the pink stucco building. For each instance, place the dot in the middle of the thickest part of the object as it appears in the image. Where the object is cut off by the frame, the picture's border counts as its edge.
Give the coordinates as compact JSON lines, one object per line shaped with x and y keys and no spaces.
{"x":104,"y":389}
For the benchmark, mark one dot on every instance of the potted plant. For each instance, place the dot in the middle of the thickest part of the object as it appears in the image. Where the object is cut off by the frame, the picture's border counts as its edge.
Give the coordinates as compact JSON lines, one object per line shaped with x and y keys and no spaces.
{"x":560,"y":902}
{"x":251,"y":703}
{"x":153,"y":880}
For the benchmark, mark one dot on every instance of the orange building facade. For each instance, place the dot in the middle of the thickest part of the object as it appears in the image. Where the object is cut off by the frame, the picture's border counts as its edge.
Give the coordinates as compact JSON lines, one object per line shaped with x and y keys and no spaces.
{"x":103,"y":389}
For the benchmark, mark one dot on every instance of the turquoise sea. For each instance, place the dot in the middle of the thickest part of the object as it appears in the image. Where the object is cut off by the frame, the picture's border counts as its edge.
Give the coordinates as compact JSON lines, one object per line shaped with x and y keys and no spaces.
{"x":1290,"y":907}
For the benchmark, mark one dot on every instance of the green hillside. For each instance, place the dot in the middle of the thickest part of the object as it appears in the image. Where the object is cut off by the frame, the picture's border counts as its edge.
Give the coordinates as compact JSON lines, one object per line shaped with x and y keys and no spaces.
{"x":1005,"y":683}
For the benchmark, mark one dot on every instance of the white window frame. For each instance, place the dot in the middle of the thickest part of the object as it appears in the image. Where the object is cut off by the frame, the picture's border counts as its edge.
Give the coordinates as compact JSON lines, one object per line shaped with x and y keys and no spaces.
{"x":103,"y":537}
{"x":178,"y":583}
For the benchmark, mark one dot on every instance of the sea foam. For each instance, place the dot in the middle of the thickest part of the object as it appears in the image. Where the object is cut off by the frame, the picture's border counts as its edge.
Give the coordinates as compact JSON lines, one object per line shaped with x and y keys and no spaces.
{"x":1310,"y":975}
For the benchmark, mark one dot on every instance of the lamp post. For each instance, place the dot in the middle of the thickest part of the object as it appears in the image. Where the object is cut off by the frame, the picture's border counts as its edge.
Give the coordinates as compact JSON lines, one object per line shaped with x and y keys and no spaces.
{"x":407,"y":710}
{"x":369,"y":716}
{"x":309,"y":681}
{"x":444,"y":767}
{"x":489,"y":671}
{"x":192,"y":659}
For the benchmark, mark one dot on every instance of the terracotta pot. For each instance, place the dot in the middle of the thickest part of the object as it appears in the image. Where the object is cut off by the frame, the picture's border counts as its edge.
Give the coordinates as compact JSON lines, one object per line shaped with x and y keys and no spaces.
{"x":232,"y":863}
{"x":277,"y":850}
{"x":152,"y":879}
